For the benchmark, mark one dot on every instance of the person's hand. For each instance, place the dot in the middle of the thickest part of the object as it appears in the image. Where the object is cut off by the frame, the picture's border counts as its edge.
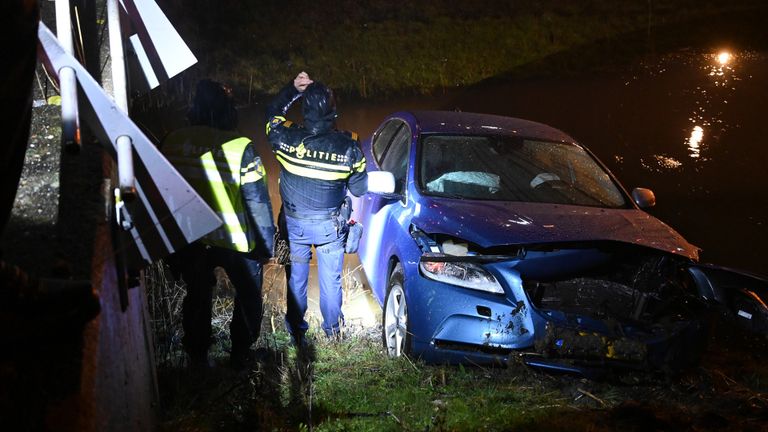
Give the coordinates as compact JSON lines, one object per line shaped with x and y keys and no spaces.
{"x":301,"y":81}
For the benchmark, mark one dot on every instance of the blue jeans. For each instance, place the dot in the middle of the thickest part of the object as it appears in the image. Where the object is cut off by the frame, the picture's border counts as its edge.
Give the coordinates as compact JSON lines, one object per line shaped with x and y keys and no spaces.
{"x":328,"y":238}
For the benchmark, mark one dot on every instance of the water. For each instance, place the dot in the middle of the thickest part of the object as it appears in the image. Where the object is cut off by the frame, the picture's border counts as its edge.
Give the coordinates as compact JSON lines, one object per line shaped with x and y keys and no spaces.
{"x":687,"y":125}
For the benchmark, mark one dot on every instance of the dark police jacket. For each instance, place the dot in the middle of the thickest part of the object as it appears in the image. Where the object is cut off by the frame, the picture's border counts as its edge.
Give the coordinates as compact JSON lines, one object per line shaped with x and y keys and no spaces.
{"x":319,"y":164}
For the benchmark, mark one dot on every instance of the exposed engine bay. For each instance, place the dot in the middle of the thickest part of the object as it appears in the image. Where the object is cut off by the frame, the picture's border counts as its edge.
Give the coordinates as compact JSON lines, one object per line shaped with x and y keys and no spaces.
{"x":637,"y":309}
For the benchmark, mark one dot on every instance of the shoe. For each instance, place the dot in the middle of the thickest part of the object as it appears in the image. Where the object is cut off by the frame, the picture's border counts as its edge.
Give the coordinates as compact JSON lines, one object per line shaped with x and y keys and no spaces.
{"x":300,"y":342}
{"x":305,"y":351}
{"x":240,"y":360}
{"x":200,"y":362}
{"x":336,"y":336}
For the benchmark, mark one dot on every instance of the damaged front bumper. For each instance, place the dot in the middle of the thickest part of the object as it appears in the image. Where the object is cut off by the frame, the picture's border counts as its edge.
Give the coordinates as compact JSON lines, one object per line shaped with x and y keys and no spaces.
{"x":577,"y":326}
{"x":670,"y":347}
{"x":568,"y":309}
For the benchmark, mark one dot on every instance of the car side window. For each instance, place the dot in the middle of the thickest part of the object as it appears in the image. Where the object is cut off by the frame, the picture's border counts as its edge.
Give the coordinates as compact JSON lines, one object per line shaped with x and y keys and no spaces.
{"x":395,"y":159}
{"x":383,"y":138}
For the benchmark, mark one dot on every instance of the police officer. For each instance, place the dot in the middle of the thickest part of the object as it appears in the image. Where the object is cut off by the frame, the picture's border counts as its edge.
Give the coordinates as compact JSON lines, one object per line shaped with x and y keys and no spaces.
{"x":319,"y":164}
{"x":223,"y":167}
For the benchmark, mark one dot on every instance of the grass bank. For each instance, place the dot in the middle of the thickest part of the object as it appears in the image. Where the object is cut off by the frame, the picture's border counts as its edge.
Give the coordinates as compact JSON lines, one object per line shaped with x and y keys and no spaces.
{"x":351,"y":385}
{"x":374,"y":48}
{"x":348,"y":384}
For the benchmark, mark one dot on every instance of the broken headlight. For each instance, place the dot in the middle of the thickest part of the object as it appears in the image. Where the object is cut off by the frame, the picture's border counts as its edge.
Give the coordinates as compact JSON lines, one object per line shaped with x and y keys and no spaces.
{"x":452,"y":270}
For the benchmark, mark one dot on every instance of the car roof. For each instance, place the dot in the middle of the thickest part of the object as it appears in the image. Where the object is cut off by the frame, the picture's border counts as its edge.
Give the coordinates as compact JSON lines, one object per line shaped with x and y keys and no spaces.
{"x":457,"y":122}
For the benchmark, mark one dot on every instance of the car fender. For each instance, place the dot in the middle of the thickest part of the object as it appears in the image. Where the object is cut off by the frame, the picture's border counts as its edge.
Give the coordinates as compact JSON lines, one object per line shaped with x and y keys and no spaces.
{"x":384,"y":218}
{"x":742,"y":294}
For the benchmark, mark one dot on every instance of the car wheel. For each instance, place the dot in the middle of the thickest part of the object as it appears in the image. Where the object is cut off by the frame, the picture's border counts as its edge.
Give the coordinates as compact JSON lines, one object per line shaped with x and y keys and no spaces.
{"x":395,"y":333}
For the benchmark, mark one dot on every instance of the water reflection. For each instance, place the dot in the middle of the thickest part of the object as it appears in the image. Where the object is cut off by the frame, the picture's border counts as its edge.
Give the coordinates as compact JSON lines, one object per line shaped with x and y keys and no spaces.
{"x":660,"y":163}
{"x":708,"y":112}
{"x":704,"y":91}
{"x":694,"y":141}
{"x":721,"y":69}
{"x":668,"y":162}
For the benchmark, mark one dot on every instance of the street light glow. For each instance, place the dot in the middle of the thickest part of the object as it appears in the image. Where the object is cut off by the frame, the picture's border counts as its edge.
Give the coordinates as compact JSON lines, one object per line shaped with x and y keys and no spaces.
{"x":724,"y":57}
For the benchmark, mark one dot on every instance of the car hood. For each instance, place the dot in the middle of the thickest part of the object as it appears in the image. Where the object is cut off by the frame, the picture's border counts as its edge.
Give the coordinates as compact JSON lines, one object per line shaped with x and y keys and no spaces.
{"x":496,"y":223}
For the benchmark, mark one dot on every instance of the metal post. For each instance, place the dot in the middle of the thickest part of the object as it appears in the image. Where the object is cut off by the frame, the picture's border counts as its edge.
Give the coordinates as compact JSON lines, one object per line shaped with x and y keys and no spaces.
{"x":119,"y":85}
{"x":70,"y":118}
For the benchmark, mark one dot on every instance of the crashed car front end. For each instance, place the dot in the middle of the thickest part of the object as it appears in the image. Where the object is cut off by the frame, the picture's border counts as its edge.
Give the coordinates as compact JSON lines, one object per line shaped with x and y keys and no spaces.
{"x":569,"y":307}
{"x":644,"y":315}
{"x":507,"y":240}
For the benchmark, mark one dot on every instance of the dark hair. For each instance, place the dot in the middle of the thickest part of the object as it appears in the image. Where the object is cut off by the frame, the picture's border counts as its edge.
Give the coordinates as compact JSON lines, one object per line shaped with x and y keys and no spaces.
{"x":212,"y":106}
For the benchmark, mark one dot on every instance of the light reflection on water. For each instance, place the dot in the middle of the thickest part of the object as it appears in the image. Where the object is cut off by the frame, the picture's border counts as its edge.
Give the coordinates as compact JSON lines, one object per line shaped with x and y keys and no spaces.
{"x":710,"y":100}
{"x":694,"y":142}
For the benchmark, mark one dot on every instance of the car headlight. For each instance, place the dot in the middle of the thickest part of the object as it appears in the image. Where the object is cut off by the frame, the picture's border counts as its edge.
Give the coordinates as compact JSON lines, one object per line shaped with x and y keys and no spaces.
{"x":459,"y":273}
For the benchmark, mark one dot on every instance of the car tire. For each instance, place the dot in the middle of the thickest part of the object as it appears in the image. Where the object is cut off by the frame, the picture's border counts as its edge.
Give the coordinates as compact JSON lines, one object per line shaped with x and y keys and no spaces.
{"x":395,"y":332}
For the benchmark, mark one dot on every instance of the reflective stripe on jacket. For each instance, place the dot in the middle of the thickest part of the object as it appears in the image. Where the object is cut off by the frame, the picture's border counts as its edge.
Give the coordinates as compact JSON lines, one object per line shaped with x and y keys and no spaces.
{"x":210,"y":160}
{"x":318,"y":166}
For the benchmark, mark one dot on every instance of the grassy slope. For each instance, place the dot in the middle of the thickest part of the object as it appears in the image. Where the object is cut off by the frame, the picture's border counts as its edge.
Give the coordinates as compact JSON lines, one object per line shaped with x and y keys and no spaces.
{"x":352,"y":386}
{"x":374,"y":48}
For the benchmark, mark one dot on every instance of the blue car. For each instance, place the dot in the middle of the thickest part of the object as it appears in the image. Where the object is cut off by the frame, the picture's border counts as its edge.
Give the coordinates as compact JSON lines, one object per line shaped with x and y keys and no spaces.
{"x":505,"y":239}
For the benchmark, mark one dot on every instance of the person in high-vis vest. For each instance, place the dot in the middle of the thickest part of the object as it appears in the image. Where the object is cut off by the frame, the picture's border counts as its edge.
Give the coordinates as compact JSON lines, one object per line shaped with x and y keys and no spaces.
{"x":223,"y":167}
{"x":319,"y":164}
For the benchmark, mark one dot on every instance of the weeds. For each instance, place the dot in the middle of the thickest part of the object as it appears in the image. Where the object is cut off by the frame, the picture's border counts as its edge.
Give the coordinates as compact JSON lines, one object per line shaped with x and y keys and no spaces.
{"x":349,"y":384}
{"x":332,"y":384}
{"x":165,"y":298}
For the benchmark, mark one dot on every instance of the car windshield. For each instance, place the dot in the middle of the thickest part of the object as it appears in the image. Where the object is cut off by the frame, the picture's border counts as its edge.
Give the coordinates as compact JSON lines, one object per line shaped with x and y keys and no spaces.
{"x":503,"y":168}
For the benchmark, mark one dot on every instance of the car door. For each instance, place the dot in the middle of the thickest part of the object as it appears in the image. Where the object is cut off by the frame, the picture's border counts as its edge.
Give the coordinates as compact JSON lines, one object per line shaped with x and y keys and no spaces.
{"x":380,"y":214}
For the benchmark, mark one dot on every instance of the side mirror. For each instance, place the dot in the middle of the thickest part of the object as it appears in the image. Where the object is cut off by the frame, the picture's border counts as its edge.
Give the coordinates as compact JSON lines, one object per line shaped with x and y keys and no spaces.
{"x":644,"y":198}
{"x":381,"y":182}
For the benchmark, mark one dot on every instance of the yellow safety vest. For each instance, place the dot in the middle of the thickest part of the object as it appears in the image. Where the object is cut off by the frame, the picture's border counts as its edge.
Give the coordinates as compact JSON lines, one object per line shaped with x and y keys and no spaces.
{"x":210,"y":160}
